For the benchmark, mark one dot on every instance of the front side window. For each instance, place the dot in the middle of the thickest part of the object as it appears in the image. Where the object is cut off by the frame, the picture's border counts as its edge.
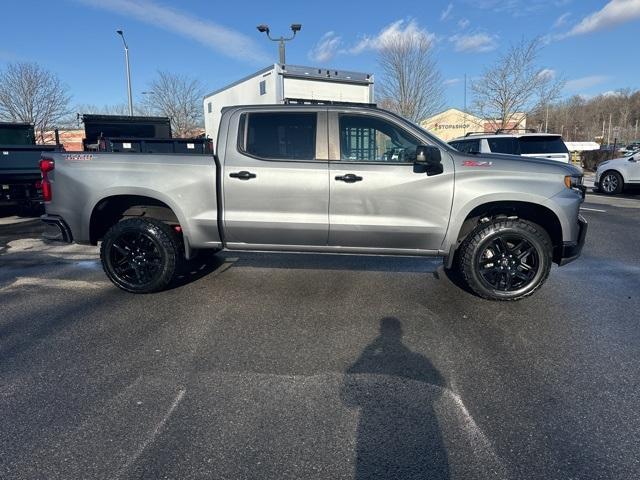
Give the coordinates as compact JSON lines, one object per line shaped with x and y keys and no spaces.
{"x":371,"y":139}
{"x":506,"y":145}
{"x":275,"y":135}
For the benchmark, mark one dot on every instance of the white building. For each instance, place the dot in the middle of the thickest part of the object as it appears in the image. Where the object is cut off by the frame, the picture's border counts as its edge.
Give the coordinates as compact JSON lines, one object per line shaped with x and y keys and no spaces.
{"x":287,"y":84}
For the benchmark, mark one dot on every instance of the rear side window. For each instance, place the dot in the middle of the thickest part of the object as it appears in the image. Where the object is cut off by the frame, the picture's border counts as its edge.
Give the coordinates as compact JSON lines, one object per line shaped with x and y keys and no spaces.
{"x":467,"y":146}
{"x":506,"y":145}
{"x":533,"y":145}
{"x":280,"y":136}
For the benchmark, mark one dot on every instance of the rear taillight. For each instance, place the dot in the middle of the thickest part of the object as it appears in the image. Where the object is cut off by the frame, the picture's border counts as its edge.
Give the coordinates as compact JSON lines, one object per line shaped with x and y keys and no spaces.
{"x":46,"y":165}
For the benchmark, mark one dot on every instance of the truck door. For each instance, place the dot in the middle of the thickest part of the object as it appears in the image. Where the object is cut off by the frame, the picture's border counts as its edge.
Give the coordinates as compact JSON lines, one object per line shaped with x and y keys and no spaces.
{"x":275,"y":179}
{"x":378,"y":198}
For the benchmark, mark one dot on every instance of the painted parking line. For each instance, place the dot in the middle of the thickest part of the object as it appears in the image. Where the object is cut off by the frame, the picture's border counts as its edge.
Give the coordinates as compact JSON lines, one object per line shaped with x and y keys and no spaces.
{"x":593,"y":209}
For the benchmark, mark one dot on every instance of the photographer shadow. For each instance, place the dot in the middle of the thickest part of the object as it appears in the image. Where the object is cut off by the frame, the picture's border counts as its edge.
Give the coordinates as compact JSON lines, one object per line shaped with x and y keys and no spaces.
{"x":395,"y":389}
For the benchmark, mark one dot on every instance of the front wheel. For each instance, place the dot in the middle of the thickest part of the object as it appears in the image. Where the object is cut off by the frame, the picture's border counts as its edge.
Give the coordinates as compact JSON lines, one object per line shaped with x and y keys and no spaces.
{"x":611,"y":183}
{"x":506,"y":259}
{"x":140,"y":255}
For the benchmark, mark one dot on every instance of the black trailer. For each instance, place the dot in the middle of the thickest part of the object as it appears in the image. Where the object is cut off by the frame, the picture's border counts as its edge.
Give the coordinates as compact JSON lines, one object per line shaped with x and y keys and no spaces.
{"x":135,"y":134}
{"x":99,"y":127}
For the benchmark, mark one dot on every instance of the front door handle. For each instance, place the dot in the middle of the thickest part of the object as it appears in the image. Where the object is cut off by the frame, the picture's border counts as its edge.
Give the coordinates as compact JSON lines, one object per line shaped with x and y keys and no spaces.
{"x":244,"y":175}
{"x":349,"y":178}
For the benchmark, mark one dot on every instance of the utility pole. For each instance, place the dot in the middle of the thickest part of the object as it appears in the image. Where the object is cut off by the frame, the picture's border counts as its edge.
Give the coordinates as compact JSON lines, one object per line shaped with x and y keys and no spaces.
{"x":126,"y":58}
{"x":635,"y":137}
{"x":546,"y":120}
{"x":295,"y":28}
{"x":464,"y":120}
{"x":609,"y":131}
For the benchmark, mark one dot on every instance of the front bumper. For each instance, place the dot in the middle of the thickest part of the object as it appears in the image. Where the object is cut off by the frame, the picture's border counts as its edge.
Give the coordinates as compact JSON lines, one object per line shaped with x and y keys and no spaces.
{"x":57,"y":229}
{"x":572,"y":250}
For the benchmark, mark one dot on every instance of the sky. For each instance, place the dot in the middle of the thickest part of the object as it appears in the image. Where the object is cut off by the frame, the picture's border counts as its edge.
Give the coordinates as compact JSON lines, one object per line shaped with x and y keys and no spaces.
{"x":591,"y":43}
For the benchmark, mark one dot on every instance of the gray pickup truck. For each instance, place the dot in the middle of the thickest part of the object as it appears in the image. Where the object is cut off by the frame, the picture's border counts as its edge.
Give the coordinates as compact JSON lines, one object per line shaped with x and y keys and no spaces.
{"x":316,"y":178}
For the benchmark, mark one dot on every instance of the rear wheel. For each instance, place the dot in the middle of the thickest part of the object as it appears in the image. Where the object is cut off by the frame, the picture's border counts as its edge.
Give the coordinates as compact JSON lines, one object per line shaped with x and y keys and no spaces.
{"x":506,"y":259}
{"x":611,"y":183}
{"x":140,"y":255}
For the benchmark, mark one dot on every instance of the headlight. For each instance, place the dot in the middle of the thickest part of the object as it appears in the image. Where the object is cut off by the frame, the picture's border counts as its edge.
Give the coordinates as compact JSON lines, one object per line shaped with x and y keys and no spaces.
{"x":573,"y":181}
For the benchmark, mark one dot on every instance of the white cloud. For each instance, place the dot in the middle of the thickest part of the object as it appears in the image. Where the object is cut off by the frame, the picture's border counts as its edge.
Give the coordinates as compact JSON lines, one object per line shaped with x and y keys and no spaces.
{"x":221,"y":39}
{"x":463,"y":23}
{"x":517,"y":8}
{"x":585,"y":82}
{"x":611,"y":93}
{"x":613,"y":13}
{"x":398,"y":29}
{"x":561,"y":20}
{"x":547,"y":74}
{"x":326,"y":48}
{"x":446,"y":13}
{"x":451,"y":81}
{"x":476,"y":42}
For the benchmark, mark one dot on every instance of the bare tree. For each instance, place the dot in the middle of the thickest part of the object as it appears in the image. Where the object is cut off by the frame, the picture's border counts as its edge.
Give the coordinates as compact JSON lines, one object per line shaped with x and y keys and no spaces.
{"x":411,"y":84}
{"x":515,"y":84}
{"x":30,"y":93}
{"x":579,"y":118}
{"x":179,"y":98}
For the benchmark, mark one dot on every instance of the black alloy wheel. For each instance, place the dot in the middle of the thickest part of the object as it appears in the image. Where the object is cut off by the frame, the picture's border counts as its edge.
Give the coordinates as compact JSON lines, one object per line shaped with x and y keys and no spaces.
{"x":135,"y":258}
{"x":508,"y":263}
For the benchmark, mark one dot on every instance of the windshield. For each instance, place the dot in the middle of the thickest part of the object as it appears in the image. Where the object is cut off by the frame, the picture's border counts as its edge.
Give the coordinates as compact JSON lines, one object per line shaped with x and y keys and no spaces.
{"x":542,"y":144}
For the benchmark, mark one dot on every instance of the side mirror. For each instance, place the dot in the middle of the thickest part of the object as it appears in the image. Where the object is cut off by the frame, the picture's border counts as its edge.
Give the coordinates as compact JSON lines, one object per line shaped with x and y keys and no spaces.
{"x":430,"y":158}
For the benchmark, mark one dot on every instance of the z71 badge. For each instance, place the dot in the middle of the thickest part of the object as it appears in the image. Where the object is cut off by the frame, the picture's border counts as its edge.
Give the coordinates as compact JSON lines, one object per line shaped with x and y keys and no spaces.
{"x":475,"y":163}
{"x":79,"y":157}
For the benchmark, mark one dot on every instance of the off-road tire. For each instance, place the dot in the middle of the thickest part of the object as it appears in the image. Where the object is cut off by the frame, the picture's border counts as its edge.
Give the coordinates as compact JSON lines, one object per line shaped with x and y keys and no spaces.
{"x":476,"y":243}
{"x":158,"y":237}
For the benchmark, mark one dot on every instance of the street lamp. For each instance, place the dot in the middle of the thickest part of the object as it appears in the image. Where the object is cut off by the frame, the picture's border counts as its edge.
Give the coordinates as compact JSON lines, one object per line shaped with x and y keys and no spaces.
{"x":126,"y":58}
{"x":295,"y":28}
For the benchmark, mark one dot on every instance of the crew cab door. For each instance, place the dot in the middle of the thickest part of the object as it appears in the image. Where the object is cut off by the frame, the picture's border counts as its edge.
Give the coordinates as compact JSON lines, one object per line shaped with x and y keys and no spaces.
{"x":275,"y":179}
{"x":379,"y":199}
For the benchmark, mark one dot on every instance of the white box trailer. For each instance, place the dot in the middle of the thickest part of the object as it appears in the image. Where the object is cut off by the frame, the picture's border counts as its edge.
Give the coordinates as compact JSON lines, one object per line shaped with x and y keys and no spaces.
{"x":279,"y":84}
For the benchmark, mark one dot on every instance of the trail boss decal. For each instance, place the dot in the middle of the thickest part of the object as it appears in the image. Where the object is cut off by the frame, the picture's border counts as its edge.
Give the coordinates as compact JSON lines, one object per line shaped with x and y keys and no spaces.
{"x":78,"y":157}
{"x":475,"y":163}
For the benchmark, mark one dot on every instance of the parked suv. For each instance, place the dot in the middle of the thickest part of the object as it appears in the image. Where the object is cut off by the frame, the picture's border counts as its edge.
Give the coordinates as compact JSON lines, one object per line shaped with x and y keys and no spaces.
{"x":542,"y":145}
{"x":613,"y":176}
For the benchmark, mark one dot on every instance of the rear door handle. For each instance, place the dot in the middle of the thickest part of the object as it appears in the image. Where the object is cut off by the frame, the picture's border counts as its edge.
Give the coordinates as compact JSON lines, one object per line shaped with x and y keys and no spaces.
{"x":244,"y":175}
{"x":349,"y":178}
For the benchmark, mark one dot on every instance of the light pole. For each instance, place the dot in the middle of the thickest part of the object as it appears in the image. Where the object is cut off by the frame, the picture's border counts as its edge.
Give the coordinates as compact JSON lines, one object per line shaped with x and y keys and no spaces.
{"x":126,"y":58}
{"x":295,"y":28}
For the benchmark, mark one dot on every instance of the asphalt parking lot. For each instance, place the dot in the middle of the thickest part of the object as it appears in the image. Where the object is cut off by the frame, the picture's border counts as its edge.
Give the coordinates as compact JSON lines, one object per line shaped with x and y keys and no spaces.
{"x":309,"y":366}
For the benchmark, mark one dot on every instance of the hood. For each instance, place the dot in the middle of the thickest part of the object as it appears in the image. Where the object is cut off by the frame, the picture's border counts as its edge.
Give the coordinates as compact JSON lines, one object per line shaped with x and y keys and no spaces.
{"x":619,"y":160}
{"x":530,"y":164}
